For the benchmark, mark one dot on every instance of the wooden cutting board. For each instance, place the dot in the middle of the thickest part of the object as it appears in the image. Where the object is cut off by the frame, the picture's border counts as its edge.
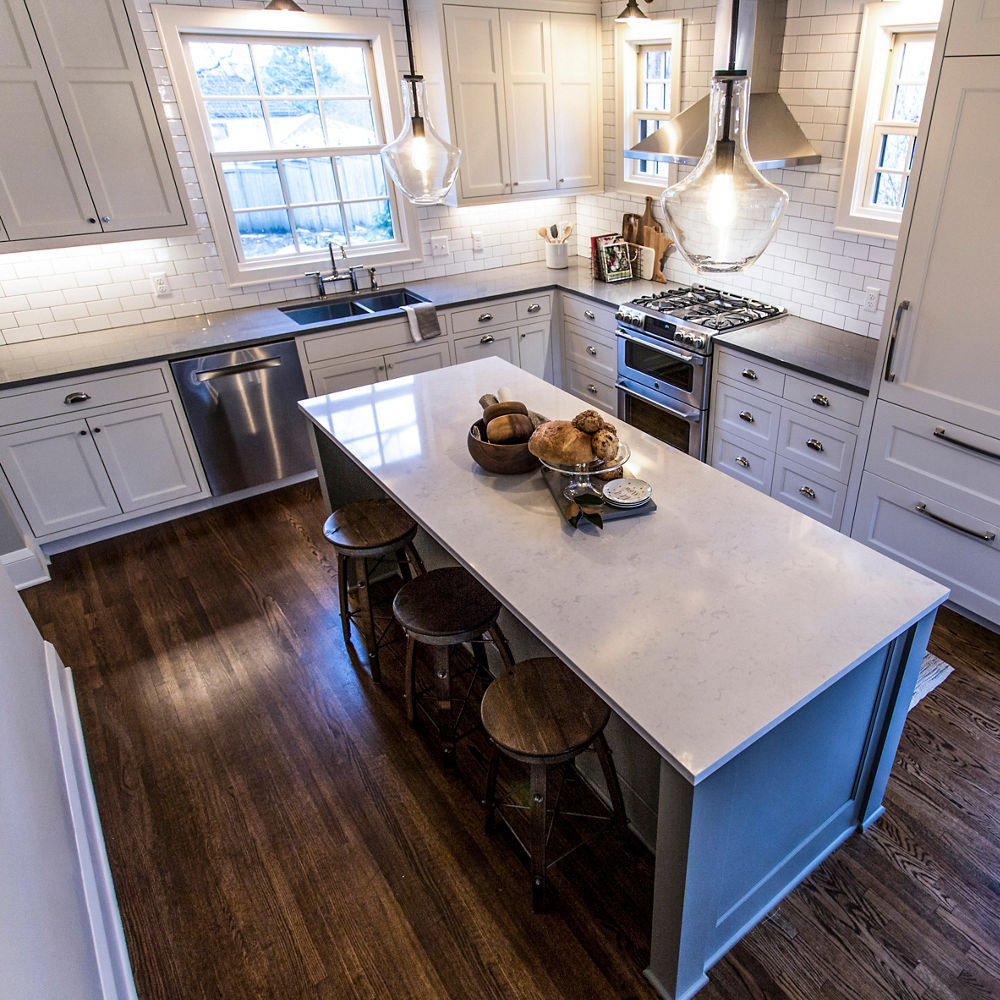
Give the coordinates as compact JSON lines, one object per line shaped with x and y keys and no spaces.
{"x":647,"y":220}
{"x":630,"y":227}
{"x":654,"y":238}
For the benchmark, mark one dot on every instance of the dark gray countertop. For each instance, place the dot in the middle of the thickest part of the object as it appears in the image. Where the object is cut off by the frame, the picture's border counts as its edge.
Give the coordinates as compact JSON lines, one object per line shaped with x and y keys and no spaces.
{"x":809,"y":347}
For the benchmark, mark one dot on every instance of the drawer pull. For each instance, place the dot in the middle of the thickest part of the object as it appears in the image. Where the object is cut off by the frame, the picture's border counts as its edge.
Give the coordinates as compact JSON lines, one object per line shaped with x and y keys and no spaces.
{"x":747,"y":416}
{"x":820,"y":400}
{"x":983,"y":536}
{"x":940,"y":432}
{"x":808,"y":491}
{"x":589,"y":313}
{"x":814,"y":444}
{"x":486,"y":338}
{"x":83,"y":434}
{"x":592,"y":388}
{"x":77,"y":397}
{"x":745,"y":462}
{"x":485,"y":317}
{"x":592,"y":351}
{"x":750,"y":374}
{"x":534,"y":307}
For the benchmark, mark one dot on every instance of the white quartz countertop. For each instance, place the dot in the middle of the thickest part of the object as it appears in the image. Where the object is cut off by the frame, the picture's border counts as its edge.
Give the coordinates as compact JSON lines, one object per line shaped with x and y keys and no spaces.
{"x":703,"y":623}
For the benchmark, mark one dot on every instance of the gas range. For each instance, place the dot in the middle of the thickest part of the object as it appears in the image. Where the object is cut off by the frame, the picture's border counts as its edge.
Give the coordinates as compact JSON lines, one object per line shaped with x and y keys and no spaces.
{"x":691,"y":315}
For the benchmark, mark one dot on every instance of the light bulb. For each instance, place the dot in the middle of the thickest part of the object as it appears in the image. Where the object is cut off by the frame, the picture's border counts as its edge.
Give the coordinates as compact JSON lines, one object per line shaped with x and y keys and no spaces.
{"x":725,"y":212}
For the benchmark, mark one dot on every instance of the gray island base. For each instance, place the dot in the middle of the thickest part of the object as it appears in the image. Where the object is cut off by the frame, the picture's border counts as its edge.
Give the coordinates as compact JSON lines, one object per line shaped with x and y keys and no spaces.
{"x":765,"y":658}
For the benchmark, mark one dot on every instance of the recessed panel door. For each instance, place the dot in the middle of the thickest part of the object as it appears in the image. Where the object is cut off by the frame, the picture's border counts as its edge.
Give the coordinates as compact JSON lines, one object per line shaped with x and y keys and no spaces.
{"x":577,"y":108}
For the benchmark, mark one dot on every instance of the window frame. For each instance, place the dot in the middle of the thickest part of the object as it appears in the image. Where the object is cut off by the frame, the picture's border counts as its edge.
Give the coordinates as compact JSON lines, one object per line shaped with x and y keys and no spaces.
{"x":881,"y":25}
{"x":176,"y":22}
{"x":631,"y":38}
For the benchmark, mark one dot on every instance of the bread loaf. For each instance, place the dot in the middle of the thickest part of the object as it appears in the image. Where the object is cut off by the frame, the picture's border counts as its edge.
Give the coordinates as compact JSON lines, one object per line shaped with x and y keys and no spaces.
{"x":509,"y":428}
{"x":558,"y":442}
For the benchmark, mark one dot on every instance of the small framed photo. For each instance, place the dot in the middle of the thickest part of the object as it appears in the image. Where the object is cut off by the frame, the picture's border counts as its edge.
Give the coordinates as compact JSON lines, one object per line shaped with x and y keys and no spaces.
{"x":615,"y":261}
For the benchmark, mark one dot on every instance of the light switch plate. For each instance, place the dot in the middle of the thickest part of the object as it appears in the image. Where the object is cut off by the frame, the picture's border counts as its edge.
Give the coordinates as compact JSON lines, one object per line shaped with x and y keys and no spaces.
{"x":477,"y":239}
{"x":439,"y":244}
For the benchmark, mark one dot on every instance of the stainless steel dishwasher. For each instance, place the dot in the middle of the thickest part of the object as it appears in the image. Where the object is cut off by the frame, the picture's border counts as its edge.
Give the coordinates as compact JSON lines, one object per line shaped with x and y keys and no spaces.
{"x":241,"y":406}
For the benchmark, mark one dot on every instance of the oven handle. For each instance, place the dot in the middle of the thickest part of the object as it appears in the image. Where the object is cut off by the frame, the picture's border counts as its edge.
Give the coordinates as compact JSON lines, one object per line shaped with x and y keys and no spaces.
{"x":689,"y":413}
{"x":691,"y":359}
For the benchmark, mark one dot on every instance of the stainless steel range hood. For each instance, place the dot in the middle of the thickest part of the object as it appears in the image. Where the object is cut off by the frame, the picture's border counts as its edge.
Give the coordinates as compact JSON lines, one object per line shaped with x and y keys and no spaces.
{"x":773,"y":136}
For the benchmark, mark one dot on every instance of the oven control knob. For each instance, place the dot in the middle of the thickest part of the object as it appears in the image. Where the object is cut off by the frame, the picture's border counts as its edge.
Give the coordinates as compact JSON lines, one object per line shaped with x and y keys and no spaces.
{"x":698,"y":342}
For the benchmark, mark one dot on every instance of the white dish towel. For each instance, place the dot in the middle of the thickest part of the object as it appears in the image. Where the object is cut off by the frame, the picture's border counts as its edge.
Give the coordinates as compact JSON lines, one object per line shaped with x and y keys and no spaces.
{"x":423,"y":320}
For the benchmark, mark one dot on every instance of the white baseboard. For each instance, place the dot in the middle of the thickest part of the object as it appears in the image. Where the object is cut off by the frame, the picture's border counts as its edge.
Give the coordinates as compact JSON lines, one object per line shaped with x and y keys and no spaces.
{"x":25,"y":568}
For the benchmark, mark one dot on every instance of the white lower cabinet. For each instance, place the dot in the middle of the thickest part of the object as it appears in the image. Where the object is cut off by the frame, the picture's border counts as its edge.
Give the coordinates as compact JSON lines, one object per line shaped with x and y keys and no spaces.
{"x":350,"y":373}
{"x":589,"y":351}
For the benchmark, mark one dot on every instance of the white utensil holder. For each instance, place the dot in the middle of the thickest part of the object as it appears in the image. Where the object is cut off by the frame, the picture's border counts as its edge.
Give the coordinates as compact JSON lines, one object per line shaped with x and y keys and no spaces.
{"x":557,"y":255}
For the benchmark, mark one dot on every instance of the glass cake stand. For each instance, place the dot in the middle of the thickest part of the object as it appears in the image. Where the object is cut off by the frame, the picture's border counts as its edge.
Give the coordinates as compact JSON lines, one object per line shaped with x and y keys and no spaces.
{"x":580,"y":475}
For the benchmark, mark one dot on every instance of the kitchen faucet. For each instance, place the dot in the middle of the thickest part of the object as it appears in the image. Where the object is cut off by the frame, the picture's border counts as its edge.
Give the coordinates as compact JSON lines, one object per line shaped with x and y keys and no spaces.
{"x":335,"y":275}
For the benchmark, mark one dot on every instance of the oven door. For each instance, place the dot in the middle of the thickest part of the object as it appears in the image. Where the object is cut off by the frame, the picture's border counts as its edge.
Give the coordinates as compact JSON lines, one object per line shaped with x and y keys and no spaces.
{"x":679,"y":425}
{"x":663,"y":367}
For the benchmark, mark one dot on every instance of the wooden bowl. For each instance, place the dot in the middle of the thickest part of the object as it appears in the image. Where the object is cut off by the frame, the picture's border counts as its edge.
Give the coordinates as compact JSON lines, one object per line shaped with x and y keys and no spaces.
{"x":504,"y":459}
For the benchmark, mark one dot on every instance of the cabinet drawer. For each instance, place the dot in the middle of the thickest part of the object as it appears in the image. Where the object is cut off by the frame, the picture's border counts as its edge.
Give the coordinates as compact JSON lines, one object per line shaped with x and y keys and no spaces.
{"x":887,"y":519}
{"x":905,"y":448}
{"x":589,"y":314}
{"x":820,"y":397}
{"x":534,"y":306}
{"x":488,"y":314}
{"x":817,"y":445}
{"x":751,"y":416}
{"x":355,"y":340}
{"x":487,"y":345}
{"x":747,"y":370}
{"x":747,"y":462}
{"x":817,"y":496}
{"x":592,"y":388}
{"x":57,"y":399}
{"x":589,"y":349}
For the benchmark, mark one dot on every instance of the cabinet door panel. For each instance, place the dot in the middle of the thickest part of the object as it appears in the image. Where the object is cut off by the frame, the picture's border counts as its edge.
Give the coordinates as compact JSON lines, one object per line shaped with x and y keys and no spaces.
{"x":475,"y":66}
{"x":576,"y":102}
{"x":533,"y":348}
{"x":57,"y":476}
{"x":347,"y":375}
{"x":145,"y":455}
{"x":943,"y":362}
{"x":974,"y":29}
{"x":42,"y":188}
{"x":489,"y":345}
{"x":94,"y":63}
{"x":417,"y":359}
{"x":528,"y":90}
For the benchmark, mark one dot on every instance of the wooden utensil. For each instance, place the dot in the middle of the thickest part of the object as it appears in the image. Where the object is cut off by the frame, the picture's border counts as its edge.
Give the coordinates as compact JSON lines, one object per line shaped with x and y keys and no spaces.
{"x":544,"y":233}
{"x":630,"y":227}
{"x":566,"y":232}
{"x":647,"y":219}
{"x":659,"y":252}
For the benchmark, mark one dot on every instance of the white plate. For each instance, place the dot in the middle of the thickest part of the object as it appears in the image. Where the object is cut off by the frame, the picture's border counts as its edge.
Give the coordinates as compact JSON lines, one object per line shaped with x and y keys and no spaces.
{"x":627,"y":492}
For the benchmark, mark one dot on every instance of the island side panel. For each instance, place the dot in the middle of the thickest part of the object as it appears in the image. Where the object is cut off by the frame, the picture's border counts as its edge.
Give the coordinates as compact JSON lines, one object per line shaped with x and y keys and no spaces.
{"x":734,"y":845}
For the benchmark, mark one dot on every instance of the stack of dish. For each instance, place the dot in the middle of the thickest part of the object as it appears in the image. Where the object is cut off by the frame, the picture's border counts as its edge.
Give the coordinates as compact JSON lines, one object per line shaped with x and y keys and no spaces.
{"x":627,"y":492}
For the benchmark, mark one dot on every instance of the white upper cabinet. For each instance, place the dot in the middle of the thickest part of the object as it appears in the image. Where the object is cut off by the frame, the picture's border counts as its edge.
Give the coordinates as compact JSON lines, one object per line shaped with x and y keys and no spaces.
{"x":83,"y":150}
{"x":941,"y":359}
{"x":525,"y":100}
{"x":974,"y":29}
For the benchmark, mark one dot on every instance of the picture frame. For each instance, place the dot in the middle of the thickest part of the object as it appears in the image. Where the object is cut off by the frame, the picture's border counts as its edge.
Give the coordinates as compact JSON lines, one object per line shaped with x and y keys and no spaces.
{"x":616,"y":262}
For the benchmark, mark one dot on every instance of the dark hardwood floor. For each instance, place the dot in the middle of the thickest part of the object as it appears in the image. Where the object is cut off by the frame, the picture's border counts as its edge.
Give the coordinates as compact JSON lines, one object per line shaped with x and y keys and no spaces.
{"x":276,"y":830}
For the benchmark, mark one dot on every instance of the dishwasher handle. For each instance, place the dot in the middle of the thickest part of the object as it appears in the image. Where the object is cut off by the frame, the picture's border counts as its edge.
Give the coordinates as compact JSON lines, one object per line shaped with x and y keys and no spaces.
{"x":246,"y":366}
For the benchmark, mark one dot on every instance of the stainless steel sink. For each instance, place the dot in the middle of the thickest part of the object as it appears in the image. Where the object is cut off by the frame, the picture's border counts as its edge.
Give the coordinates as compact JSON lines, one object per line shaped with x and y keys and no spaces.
{"x":344,"y":310}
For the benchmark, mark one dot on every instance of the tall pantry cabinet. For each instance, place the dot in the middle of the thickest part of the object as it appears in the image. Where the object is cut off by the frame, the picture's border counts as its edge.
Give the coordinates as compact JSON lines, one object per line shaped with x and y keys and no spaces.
{"x":930,"y":493}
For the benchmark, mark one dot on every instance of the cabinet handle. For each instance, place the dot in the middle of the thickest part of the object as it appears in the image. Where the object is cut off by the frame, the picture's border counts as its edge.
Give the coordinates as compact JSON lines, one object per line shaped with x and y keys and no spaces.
{"x":940,"y":432}
{"x":83,"y":434}
{"x":486,"y":338}
{"x":747,"y":416}
{"x":985,"y":536}
{"x":76,"y":397}
{"x":534,"y":307}
{"x":92,"y":220}
{"x":814,"y":444}
{"x":515,"y":183}
{"x":750,"y":374}
{"x":390,"y":364}
{"x":589,"y":313}
{"x":592,"y":351}
{"x":820,"y":400}
{"x":562,"y":180}
{"x":485,"y":317}
{"x":808,"y":491}
{"x":890,"y":375}
{"x":592,"y":388}
{"x":741,"y":460}
{"x":97,"y":430}
{"x":105,"y":218}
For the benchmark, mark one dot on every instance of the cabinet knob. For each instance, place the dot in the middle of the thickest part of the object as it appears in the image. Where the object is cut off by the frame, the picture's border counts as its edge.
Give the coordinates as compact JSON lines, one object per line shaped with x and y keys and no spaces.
{"x":83,"y":434}
{"x":92,"y":221}
{"x":486,"y":338}
{"x":514,"y":184}
{"x":808,"y":492}
{"x":485,"y":317}
{"x":562,"y":180}
{"x":742,"y":460}
{"x":390,"y":365}
{"x":592,"y":388}
{"x":814,"y":444}
{"x":534,"y":307}
{"x":105,"y":218}
{"x":750,"y":374}
{"x":76,"y":397}
{"x":592,"y":351}
{"x":97,"y":430}
{"x":589,"y":313}
{"x":747,"y":416}
{"x":820,"y":400}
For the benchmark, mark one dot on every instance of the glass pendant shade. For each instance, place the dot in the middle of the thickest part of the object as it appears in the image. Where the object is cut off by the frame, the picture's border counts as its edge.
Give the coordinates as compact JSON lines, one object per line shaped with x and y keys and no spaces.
{"x":420,"y":162}
{"x":724,"y":213}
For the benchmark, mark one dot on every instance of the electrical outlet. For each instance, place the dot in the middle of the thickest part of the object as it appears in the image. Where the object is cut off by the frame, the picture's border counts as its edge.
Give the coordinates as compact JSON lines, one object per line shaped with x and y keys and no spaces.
{"x":439,"y":244}
{"x":477,"y":239}
{"x":871,"y":299}
{"x":161,"y":286}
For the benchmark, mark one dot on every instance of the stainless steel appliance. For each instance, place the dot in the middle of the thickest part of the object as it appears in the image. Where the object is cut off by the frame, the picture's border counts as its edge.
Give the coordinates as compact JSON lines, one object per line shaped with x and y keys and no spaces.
{"x":665,"y":359}
{"x":241,"y":406}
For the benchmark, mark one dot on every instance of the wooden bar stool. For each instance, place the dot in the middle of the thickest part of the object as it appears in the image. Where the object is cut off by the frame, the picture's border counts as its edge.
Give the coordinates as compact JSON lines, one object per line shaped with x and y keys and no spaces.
{"x":442,"y":609}
{"x":542,"y":714}
{"x":368,"y":531}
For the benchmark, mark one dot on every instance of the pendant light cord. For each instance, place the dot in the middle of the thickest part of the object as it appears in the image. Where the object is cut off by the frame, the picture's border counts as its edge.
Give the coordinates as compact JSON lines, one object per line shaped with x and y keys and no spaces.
{"x":413,"y":77}
{"x":733,"y":32}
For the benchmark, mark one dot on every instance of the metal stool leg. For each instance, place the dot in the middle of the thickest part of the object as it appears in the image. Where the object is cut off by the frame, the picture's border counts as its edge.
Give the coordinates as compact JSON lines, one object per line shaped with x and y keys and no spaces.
{"x":345,"y":611}
{"x":442,"y":691}
{"x":491,"y":791}
{"x":539,"y":795}
{"x":611,"y":779}
{"x":409,"y":694}
{"x":373,"y":663}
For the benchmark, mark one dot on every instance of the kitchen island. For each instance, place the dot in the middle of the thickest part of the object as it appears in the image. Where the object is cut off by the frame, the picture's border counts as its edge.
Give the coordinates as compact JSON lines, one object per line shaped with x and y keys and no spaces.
{"x":767,"y":659}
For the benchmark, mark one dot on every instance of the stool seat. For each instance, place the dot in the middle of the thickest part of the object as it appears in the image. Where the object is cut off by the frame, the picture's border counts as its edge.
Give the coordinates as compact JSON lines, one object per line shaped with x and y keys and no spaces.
{"x":369,"y":526}
{"x":542,"y":709}
{"x":444,"y":604}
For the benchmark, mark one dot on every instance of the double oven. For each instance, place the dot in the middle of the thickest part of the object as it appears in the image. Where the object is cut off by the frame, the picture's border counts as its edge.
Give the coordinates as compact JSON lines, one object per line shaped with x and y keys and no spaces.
{"x":665,"y":359}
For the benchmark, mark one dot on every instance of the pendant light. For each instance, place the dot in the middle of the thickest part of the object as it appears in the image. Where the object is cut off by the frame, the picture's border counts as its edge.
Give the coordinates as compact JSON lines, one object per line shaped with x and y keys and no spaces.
{"x":725,"y":212}
{"x":284,"y":5}
{"x":420,"y":162}
{"x":632,"y":13}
